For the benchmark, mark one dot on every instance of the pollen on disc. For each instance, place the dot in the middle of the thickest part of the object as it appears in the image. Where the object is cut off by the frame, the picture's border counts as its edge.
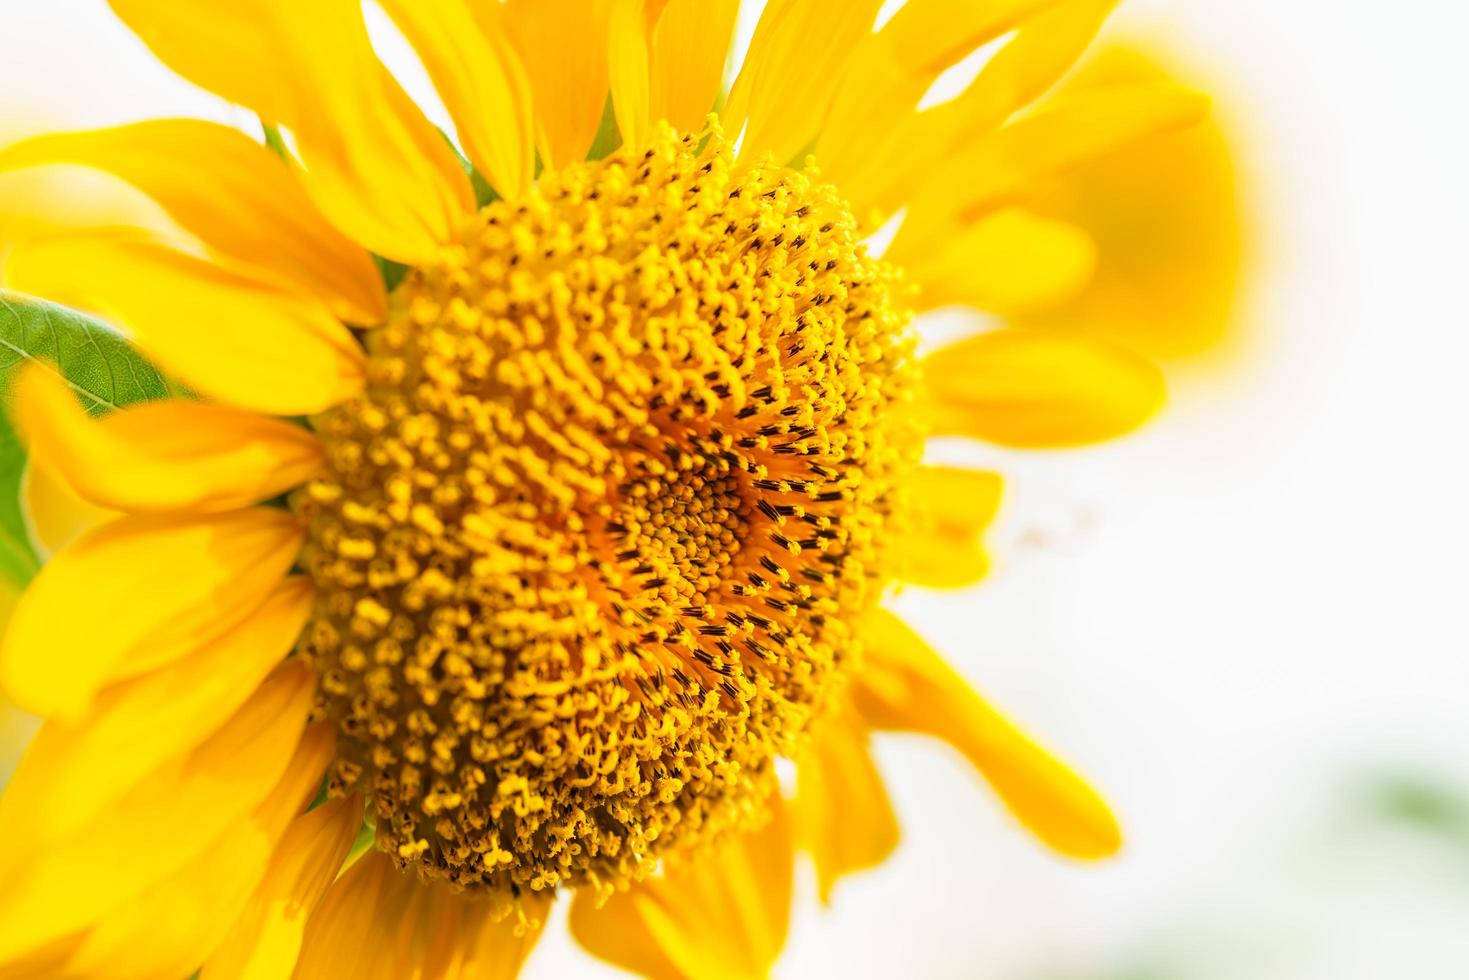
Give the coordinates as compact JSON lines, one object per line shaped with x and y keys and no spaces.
{"x":590,"y":544}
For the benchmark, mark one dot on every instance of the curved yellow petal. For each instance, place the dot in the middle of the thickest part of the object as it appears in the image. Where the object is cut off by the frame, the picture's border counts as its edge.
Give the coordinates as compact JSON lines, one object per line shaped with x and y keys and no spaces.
{"x":724,"y":908}
{"x":563,"y":45}
{"x":161,"y":456}
{"x":997,"y":167}
{"x":135,"y":594}
{"x":893,"y":68}
{"x":55,"y":514}
{"x":265,"y":939}
{"x":940,"y":545}
{"x":842,"y":814}
{"x":378,"y":923}
{"x":954,"y":501}
{"x":158,"y":827}
{"x":490,"y":949}
{"x":617,"y":934}
{"x":233,"y":194}
{"x":39,"y":202}
{"x":905,"y":685}
{"x":627,"y":70}
{"x":72,"y":772}
{"x":170,"y":928}
{"x":790,"y":76}
{"x":222,"y":333}
{"x":687,"y":50}
{"x":1038,"y":389}
{"x":1008,"y":262}
{"x":1166,"y":214}
{"x":481,"y":82}
{"x":372,"y":163}
{"x":883,"y":169}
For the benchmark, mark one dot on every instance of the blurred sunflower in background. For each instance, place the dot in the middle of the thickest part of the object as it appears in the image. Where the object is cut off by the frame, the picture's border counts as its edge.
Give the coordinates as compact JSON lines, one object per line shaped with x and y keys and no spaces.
{"x":492,"y":514}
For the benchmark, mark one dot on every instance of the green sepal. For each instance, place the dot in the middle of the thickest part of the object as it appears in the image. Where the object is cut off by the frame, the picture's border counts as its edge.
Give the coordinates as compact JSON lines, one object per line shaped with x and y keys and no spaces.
{"x":101,"y":367}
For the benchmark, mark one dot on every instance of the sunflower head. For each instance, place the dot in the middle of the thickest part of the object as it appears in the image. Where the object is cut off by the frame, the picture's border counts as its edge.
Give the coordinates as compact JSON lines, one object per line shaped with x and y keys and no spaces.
{"x":590,"y":543}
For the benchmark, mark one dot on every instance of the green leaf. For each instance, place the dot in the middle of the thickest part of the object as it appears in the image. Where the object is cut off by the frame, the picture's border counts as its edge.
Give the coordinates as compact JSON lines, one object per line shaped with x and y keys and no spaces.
{"x":99,"y":365}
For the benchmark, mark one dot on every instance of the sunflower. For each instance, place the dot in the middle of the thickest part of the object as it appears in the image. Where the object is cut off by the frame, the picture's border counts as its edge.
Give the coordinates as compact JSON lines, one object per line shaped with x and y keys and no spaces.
{"x":530,"y":503}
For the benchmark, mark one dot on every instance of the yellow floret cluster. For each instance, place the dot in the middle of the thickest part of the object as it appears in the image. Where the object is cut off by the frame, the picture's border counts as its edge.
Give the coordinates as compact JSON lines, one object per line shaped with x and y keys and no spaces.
{"x":591,"y":541}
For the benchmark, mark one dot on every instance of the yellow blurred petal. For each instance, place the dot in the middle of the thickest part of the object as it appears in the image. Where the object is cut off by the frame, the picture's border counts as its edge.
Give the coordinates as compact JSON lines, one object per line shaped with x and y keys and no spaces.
{"x":160,"y":456}
{"x":627,"y":70}
{"x":842,"y":814}
{"x":55,"y":514}
{"x":955,"y":501}
{"x":265,"y":939}
{"x":1167,"y":218}
{"x":997,"y":167}
{"x":54,"y":888}
{"x":135,"y":594}
{"x":481,"y":82}
{"x":725,"y":908}
{"x":935,"y":563}
{"x":372,"y":163}
{"x":1039,"y":389}
{"x":377,"y":923}
{"x":232,"y":193}
{"x":170,"y":928}
{"x":1008,"y":262}
{"x":687,"y":53}
{"x":940,"y":546}
{"x":893,"y":68}
{"x":39,"y":202}
{"x":563,"y":45}
{"x":796,"y":61}
{"x":880,"y":172}
{"x":224,"y":334}
{"x":905,"y":685}
{"x":72,"y":772}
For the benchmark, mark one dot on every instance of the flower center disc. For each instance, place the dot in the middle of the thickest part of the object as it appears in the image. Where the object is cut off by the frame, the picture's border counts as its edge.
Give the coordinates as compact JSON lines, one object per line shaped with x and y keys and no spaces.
{"x":591,"y":540}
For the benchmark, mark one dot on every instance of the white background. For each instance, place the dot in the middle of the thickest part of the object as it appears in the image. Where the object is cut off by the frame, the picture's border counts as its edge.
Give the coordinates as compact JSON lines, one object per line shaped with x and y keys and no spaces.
{"x":1233,"y":621}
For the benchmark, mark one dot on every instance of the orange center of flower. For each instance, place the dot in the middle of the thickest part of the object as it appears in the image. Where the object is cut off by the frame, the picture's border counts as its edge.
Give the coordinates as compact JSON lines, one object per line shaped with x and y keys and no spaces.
{"x":592,"y":539}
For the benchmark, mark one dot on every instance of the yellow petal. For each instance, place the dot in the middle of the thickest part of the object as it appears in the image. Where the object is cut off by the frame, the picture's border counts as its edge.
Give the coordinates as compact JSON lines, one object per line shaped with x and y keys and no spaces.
{"x":905,"y":685}
{"x":954,"y":501}
{"x":232,"y":193}
{"x":488,"y":949}
{"x":790,"y":76}
{"x":71,"y":773}
{"x":373,"y":164}
{"x":843,"y":817}
{"x":1008,"y":262}
{"x":627,"y":70}
{"x":160,"y":456}
{"x":135,"y":594}
{"x":727,"y":905}
{"x":224,"y":334}
{"x":563,"y":45}
{"x":1167,"y":217}
{"x":884,"y":170}
{"x":158,"y":827}
{"x":378,"y":923}
{"x":481,"y":82}
{"x":893,"y":68}
{"x":1037,"y":389}
{"x":687,"y":52}
{"x":55,"y":514}
{"x":265,"y":939}
{"x":170,"y":928}
{"x":940,"y":546}
{"x":999,"y":166}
